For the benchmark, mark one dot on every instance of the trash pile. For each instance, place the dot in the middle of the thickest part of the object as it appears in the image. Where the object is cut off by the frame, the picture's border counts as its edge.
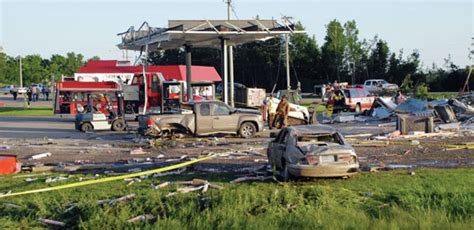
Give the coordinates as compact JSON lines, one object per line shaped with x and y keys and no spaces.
{"x":415,"y":116}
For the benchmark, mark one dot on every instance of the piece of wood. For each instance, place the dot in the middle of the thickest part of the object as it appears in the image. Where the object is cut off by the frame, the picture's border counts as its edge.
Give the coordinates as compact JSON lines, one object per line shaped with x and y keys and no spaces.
{"x":52,"y":222}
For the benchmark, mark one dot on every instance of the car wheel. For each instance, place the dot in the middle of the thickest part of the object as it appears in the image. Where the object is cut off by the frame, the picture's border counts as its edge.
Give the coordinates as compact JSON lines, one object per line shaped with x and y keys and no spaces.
{"x":118,"y":125}
{"x":86,"y":127}
{"x":247,"y":130}
{"x":358,"y":109}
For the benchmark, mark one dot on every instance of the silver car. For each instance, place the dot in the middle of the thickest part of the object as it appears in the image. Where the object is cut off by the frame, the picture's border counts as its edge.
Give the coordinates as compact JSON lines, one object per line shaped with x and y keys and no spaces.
{"x":312,"y":151}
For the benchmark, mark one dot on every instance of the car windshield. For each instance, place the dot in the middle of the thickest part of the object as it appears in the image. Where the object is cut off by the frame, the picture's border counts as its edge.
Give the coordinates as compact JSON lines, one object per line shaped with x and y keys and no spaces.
{"x":320,"y":139}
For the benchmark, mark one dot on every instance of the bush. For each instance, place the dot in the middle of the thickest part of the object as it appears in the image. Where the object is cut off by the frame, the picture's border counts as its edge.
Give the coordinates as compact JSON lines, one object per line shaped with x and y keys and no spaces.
{"x":421,"y":91}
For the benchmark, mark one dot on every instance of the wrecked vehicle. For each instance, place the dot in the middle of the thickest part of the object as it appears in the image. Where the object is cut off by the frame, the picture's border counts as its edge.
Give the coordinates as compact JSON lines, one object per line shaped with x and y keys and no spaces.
{"x":312,"y":151}
{"x":203,"y":118}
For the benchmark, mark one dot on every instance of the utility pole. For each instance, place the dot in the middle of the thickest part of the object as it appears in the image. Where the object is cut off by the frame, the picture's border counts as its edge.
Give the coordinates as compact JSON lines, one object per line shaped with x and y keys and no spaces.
{"x":21,"y":73}
{"x":287,"y":55}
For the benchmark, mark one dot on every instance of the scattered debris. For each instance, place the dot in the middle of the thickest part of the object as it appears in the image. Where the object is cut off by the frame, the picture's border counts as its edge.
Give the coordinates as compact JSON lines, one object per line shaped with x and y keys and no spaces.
{"x":41,"y":155}
{"x":120,"y":199}
{"x":11,"y":205}
{"x":137,"y":151}
{"x":251,"y":178}
{"x":4,"y":147}
{"x":31,"y":179}
{"x":55,"y":179}
{"x":141,"y":218}
{"x":52,"y":222}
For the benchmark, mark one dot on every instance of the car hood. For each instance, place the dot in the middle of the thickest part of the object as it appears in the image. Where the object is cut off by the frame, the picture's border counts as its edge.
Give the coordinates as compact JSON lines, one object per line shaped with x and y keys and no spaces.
{"x":248,"y":111}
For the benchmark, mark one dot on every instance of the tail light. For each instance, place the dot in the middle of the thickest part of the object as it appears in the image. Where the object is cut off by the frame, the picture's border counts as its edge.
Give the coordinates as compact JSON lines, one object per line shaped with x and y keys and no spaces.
{"x":149,"y":122}
{"x":312,"y":159}
{"x":347,"y":158}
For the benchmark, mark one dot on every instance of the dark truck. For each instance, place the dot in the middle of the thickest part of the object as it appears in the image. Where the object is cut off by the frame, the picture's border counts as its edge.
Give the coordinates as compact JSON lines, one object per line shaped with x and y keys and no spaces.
{"x":202,"y":118}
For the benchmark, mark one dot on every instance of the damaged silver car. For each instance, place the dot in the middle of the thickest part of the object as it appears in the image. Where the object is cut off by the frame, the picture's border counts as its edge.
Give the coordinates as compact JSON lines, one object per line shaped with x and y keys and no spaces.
{"x":312,"y":151}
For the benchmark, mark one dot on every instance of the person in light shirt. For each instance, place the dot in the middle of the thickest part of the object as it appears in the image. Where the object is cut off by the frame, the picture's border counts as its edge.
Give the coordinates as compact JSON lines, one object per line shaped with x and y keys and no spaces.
{"x":272,"y":105}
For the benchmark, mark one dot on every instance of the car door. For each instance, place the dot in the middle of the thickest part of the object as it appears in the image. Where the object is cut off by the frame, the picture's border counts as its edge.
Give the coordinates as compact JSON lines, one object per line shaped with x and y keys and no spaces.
{"x":203,"y":118}
{"x":368,"y":85}
{"x":280,"y":147}
{"x":222,"y":118}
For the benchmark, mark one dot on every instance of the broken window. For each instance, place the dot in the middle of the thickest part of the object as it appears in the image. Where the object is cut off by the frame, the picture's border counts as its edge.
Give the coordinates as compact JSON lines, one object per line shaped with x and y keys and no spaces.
{"x":323,"y":138}
{"x":205,"y":109}
{"x":221,"y":109}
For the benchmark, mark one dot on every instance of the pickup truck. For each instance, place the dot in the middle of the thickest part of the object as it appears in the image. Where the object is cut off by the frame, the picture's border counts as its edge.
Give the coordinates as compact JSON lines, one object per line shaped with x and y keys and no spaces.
{"x":377,"y":86}
{"x":202,"y":118}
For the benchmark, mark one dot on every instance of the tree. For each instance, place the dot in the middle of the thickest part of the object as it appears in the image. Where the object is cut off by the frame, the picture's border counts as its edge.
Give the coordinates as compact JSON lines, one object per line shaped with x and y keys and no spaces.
{"x":333,"y":49}
{"x":379,"y":59}
{"x":353,"y":53}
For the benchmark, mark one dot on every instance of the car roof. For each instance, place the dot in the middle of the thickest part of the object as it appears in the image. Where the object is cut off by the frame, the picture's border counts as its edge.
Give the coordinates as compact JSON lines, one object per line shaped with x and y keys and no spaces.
{"x":312,"y":129}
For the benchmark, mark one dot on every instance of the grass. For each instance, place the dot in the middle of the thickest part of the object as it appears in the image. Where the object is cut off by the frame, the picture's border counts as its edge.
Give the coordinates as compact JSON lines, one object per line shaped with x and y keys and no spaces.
{"x":432,"y":199}
{"x":20,"y":111}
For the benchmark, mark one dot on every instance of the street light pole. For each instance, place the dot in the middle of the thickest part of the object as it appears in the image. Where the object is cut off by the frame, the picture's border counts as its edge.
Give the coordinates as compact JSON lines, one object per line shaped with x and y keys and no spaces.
{"x":21,"y":73}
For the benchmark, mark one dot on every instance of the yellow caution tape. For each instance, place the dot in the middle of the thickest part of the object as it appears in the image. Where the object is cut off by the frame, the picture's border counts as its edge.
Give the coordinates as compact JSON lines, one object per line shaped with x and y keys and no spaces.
{"x":83,"y":183}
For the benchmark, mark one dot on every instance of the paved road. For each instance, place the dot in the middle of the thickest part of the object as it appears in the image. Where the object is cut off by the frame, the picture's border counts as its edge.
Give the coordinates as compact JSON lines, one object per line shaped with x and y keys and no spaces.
{"x":9,"y":102}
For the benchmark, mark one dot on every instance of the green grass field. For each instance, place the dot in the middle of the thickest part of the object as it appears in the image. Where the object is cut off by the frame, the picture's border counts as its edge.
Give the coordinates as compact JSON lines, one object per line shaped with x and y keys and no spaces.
{"x":431,"y":199}
{"x":20,"y":111}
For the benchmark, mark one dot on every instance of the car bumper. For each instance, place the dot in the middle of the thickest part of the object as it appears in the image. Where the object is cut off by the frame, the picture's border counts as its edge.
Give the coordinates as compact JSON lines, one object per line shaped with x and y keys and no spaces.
{"x":323,"y":170}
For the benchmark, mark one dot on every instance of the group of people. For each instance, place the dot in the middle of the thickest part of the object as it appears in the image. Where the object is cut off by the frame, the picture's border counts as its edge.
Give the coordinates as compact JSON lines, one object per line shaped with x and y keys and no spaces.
{"x":277,"y":112}
{"x":33,"y":93}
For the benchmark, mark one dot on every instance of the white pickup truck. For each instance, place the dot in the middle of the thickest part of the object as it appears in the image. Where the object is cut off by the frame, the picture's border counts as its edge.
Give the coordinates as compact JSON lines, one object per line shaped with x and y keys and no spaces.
{"x":377,"y":86}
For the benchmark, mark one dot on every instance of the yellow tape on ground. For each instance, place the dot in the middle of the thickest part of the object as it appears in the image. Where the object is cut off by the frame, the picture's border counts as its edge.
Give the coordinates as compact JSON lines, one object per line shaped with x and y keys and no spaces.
{"x":83,"y":183}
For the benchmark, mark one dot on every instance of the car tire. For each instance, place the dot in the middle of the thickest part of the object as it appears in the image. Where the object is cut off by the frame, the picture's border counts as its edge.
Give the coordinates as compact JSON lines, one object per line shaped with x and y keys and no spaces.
{"x":118,"y":125}
{"x":247,"y":130}
{"x":358,"y":108}
{"x":86,"y":127}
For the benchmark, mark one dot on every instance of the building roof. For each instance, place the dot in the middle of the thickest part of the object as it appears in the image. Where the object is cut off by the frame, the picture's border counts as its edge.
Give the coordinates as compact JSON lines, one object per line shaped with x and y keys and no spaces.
{"x":170,"y":72}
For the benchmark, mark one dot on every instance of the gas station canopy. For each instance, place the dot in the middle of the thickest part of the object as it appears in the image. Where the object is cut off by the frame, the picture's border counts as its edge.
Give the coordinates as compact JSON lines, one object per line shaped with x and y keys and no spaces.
{"x":202,"y":33}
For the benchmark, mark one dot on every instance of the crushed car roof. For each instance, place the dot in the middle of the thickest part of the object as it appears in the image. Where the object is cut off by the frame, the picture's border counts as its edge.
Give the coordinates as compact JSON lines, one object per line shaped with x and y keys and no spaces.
{"x":312,"y":129}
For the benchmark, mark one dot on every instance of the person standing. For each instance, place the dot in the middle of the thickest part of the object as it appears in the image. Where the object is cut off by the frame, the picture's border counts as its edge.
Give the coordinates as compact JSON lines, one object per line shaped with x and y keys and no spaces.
{"x":46,"y":93}
{"x":282,"y":112}
{"x":272,"y":105}
{"x":34,"y":93}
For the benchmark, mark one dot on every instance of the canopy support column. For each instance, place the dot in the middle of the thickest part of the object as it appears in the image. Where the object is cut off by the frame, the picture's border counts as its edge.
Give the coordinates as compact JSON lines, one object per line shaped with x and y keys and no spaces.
{"x":224,"y":70}
{"x":231,"y":75}
{"x":189,"y":89}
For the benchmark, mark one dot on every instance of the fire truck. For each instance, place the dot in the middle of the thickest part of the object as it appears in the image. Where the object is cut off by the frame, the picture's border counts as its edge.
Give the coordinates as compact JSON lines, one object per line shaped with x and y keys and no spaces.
{"x":71,"y":95}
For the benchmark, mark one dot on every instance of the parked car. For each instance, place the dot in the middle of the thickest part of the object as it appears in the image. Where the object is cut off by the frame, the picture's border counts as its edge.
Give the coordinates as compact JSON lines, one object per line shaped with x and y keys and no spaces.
{"x":203,"y":118}
{"x":7,"y":89}
{"x":311,"y":151}
{"x":377,"y":86}
{"x":357,"y":99}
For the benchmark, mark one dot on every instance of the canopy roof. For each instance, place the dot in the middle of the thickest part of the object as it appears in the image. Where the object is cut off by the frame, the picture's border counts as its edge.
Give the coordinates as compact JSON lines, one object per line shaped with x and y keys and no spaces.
{"x":203,"y":33}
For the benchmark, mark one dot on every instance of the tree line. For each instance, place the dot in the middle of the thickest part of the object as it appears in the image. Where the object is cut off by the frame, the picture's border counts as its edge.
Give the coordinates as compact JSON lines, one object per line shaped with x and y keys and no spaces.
{"x":343,"y":57}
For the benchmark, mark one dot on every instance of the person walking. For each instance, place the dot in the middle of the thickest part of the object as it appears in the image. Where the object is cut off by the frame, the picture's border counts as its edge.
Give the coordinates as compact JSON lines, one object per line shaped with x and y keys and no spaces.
{"x":14,"y":93}
{"x":282,"y":112}
{"x":272,"y":105}
{"x":30,"y":96}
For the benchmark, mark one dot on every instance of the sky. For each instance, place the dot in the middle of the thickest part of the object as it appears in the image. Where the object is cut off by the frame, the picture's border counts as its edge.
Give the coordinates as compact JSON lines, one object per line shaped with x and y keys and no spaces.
{"x":436,"y":28}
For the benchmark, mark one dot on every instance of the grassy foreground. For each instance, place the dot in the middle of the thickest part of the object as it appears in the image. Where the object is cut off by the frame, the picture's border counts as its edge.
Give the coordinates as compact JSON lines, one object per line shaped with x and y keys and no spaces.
{"x":431,"y":199}
{"x":20,"y":111}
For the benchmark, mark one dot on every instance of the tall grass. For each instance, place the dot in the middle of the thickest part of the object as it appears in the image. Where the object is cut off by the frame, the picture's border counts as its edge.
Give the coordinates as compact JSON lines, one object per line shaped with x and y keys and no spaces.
{"x":432,"y":199}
